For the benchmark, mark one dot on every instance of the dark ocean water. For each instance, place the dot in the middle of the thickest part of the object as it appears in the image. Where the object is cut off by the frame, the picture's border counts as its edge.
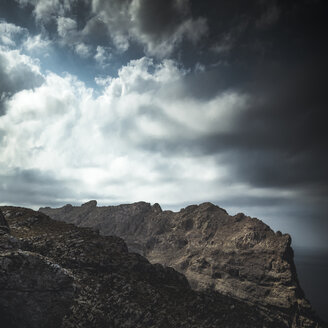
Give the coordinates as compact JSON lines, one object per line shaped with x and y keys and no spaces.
{"x":312,"y":270}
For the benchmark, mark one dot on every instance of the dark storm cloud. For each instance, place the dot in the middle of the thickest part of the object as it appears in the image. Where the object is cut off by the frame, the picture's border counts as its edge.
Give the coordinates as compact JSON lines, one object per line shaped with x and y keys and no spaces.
{"x":287,"y":126}
{"x":279,"y":139}
{"x":157,"y":25}
{"x":282,"y":137}
{"x":161,"y":18}
{"x":279,"y":60}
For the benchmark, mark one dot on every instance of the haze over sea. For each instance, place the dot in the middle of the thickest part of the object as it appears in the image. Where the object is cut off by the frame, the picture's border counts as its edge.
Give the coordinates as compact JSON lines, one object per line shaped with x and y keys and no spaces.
{"x":312,"y":270}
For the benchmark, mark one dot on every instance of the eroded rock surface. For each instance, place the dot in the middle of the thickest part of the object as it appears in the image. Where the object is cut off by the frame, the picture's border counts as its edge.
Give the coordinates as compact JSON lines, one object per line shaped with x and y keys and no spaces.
{"x":34,"y":290}
{"x":54,"y":274}
{"x":238,"y":256}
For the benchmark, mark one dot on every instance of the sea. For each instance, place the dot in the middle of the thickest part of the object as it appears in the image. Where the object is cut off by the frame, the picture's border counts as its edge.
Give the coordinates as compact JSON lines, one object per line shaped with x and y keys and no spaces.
{"x":312,"y":271}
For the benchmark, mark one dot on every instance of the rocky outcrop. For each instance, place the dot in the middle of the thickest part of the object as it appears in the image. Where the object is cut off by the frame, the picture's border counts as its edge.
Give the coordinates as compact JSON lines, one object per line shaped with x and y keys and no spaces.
{"x":54,"y":274}
{"x":30,"y":281}
{"x":34,"y":291}
{"x":238,"y":256}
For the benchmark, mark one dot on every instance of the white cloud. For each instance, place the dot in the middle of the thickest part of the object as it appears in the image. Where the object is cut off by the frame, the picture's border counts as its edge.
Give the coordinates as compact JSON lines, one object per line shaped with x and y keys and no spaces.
{"x":63,"y":128}
{"x":17,"y":72}
{"x":10,"y":33}
{"x":70,"y":36}
{"x":159,"y":26}
{"x":14,"y":61}
{"x":83,"y":50}
{"x":103,"y":55}
{"x":36,"y":44}
{"x":103,"y":81}
{"x":45,"y":10}
{"x":66,"y":27}
{"x":16,"y":37}
{"x":115,"y":15}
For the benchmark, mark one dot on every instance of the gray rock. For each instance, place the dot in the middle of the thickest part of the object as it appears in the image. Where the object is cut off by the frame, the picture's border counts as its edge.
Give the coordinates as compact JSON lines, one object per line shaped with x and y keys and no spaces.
{"x":237,"y":256}
{"x":34,"y":292}
{"x":63,"y":276}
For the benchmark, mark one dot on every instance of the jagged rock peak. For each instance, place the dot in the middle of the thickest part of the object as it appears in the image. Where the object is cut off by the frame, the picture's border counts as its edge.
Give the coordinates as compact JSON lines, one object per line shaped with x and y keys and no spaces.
{"x":157,"y":208}
{"x":90,"y":203}
{"x":206,"y":206}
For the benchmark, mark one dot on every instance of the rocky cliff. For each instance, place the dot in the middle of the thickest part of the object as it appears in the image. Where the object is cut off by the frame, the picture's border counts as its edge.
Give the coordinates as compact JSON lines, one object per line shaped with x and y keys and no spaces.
{"x":237,"y":256}
{"x":54,"y":274}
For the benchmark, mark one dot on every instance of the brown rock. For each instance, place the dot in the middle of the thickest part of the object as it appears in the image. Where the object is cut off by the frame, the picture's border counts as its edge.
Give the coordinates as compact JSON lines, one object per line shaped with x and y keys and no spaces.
{"x":60,"y":275}
{"x":236,"y":255}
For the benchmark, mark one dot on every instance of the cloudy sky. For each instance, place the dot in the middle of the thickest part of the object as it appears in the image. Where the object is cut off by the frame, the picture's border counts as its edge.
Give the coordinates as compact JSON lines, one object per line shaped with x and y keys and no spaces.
{"x":169,"y":101}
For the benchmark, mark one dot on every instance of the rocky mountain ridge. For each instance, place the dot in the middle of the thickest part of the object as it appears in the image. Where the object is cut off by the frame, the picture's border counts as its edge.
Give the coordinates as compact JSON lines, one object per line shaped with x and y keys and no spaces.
{"x":54,"y":274}
{"x":237,"y":256}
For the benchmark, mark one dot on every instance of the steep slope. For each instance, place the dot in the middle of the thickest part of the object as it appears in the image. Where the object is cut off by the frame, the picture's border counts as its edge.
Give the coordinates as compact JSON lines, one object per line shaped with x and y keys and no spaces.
{"x":54,"y":274}
{"x":236,"y":255}
{"x":59,"y":275}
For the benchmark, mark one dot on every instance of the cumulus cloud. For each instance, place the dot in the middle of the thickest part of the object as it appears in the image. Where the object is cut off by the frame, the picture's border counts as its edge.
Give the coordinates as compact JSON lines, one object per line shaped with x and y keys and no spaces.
{"x":71,"y":37}
{"x":83,"y":50}
{"x":115,"y":16}
{"x":103,"y":55}
{"x":17,"y":72}
{"x":67,"y":27}
{"x":159,"y":26}
{"x":36,"y":44}
{"x":46,"y":10}
{"x":17,"y":37}
{"x":11,"y":33}
{"x":61,"y":127}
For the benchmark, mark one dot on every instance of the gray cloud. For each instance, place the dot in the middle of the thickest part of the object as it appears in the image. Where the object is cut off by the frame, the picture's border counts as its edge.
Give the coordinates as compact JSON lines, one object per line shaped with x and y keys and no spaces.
{"x":161,"y":25}
{"x":46,"y":10}
{"x":17,"y":72}
{"x":158,"y":26}
{"x":33,"y":187}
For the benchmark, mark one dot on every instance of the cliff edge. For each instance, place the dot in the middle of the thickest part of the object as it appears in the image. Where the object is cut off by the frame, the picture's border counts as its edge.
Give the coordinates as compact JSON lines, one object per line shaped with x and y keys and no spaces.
{"x":237,"y":256}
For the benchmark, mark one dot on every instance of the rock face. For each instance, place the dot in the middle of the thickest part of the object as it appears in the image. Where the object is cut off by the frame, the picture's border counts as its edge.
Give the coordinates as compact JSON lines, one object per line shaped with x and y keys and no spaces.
{"x":35,"y":292}
{"x":238,"y":256}
{"x":30,"y":281}
{"x":54,"y":274}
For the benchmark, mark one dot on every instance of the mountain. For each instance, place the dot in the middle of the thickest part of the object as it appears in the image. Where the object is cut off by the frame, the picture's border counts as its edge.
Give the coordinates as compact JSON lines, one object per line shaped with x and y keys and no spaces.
{"x":54,"y":274}
{"x":235,"y":256}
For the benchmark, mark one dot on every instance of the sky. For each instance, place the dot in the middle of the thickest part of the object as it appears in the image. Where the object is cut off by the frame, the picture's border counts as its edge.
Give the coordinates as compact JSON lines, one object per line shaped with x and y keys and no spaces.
{"x":170,"y":101}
